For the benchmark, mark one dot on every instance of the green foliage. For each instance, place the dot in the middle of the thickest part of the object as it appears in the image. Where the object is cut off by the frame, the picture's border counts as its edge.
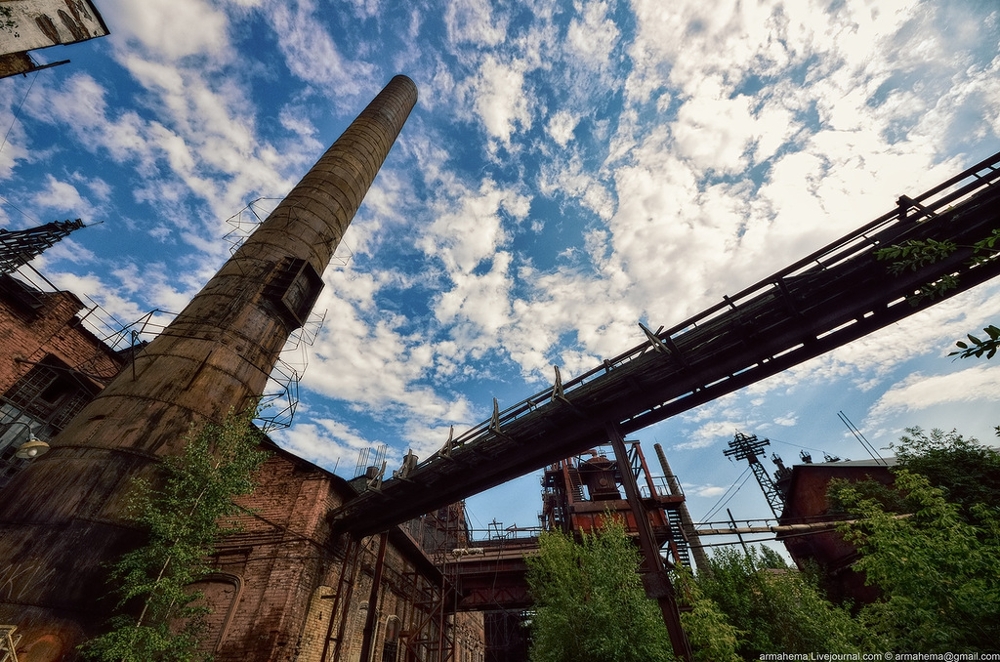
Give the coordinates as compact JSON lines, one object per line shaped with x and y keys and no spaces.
{"x":889,"y":497}
{"x":914,"y":254}
{"x":160,"y":619}
{"x":967,"y":471}
{"x":987,"y":345}
{"x":939,"y":571}
{"x":589,"y":602}
{"x":712,"y":637}
{"x":774,"y":608}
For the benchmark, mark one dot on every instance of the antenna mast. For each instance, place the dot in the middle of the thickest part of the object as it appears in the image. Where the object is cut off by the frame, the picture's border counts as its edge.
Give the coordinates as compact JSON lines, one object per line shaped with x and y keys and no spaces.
{"x":744,"y":447}
{"x":20,"y":247}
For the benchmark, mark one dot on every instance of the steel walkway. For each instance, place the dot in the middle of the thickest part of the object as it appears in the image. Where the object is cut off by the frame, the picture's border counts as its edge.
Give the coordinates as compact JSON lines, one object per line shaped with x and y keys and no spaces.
{"x":830,"y":298}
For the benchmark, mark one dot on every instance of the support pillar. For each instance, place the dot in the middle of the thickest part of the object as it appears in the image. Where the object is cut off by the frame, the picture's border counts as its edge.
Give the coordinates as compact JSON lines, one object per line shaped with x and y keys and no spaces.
{"x":655,"y":578}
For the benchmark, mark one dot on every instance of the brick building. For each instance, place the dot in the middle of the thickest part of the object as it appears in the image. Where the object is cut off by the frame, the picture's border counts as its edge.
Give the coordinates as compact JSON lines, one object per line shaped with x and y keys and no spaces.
{"x":50,"y":367}
{"x":276,"y":582}
{"x":285,"y":587}
{"x":805,"y":491}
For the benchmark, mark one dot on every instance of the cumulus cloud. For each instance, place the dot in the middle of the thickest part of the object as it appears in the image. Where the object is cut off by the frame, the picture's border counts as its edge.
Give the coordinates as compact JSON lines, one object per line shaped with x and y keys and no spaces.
{"x":500,"y":98}
{"x":918,"y":391}
{"x":170,"y":29}
{"x":571,"y":169}
{"x":474,"y":22}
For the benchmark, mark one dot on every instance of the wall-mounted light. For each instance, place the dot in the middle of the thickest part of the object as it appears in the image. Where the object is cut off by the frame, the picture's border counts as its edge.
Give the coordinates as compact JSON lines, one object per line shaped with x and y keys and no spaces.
{"x":33,"y":447}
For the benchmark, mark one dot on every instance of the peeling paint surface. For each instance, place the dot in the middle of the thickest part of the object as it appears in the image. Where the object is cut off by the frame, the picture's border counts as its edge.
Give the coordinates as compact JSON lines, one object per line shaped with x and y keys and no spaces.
{"x":44,"y":23}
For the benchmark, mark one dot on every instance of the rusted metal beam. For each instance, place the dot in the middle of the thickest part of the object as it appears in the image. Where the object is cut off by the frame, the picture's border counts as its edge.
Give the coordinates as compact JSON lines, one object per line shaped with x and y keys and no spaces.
{"x":840,"y":293}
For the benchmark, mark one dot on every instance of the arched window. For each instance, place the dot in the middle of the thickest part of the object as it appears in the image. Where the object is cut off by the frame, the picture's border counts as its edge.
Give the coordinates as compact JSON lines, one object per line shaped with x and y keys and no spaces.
{"x":390,"y":645}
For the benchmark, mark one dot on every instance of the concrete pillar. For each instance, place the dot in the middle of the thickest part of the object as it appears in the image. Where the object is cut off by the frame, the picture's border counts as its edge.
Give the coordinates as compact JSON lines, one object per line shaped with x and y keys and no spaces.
{"x":62,"y":518}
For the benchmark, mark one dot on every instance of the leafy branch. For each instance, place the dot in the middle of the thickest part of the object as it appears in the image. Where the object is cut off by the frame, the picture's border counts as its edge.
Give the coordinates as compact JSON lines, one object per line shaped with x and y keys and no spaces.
{"x":987,"y":346}
{"x":183,"y":519}
{"x":914,"y":254}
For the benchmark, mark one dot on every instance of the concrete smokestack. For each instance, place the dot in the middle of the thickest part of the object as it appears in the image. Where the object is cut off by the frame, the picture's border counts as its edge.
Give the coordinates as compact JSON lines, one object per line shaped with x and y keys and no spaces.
{"x":61,"y":518}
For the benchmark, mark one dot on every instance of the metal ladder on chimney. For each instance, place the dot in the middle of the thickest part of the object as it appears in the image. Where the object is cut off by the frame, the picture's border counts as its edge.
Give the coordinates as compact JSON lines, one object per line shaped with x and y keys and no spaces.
{"x":679,"y":543}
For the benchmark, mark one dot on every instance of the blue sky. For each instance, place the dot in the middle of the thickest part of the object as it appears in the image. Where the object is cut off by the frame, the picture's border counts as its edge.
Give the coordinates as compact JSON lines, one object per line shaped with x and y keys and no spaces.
{"x":571,"y":169}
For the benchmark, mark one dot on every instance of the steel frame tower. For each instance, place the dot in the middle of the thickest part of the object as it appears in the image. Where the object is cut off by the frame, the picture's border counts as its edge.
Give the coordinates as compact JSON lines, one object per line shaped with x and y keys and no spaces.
{"x":19,"y":247}
{"x":747,"y":448}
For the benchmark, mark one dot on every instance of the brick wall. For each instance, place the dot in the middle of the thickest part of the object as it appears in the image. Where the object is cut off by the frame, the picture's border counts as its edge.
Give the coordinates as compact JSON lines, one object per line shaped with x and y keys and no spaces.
{"x":288,"y":569}
{"x":27,"y":337}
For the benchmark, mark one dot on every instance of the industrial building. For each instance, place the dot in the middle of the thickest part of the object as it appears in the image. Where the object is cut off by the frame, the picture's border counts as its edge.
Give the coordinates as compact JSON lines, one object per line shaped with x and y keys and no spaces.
{"x":36,"y":24}
{"x":287,"y":586}
{"x":383,"y":568}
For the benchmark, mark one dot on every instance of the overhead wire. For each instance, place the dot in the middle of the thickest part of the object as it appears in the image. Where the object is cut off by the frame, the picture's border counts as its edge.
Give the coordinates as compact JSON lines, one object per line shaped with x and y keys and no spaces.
{"x":720,"y":504}
{"x":17,"y":112}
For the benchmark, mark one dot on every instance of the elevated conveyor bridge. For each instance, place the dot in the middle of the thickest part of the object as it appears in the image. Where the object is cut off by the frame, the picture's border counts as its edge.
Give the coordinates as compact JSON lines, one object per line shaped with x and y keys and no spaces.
{"x":832,"y":297}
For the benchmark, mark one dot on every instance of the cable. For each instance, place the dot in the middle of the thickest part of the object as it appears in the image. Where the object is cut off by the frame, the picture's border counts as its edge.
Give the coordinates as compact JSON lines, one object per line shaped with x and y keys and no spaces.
{"x":745,"y":475}
{"x":23,"y":213}
{"x":18,"y":111}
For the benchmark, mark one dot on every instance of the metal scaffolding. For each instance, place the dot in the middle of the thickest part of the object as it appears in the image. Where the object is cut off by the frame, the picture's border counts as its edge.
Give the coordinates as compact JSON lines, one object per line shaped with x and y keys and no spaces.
{"x":20,"y":247}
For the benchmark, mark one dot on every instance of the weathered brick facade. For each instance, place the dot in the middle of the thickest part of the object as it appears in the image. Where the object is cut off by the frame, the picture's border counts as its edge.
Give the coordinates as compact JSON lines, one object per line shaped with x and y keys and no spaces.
{"x":50,"y":366}
{"x":274,"y":583}
{"x":279,"y":580}
{"x":36,"y":324}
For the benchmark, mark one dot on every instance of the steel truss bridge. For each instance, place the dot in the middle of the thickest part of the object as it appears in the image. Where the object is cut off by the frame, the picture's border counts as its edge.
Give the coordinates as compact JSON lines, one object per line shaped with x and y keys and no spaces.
{"x":832,"y":297}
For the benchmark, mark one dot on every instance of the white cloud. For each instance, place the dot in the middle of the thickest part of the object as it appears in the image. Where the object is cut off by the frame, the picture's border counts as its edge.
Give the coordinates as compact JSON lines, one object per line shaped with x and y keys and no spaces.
{"x":707,"y":491}
{"x":325,"y":442}
{"x":500,"y":99}
{"x":561,"y":126}
{"x":473,"y":22}
{"x":917,"y":391}
{"x":312,"y":54}
{"x":62,"y":197}
{"x":594,"y":37}
{"x":711,"y":433}
{"x":713,"y":129}
{"x":171,"y":29}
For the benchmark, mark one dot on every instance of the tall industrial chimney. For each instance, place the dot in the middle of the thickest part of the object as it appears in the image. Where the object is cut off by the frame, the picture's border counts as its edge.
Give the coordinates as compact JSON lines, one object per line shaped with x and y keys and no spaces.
{"x":62,"y":517}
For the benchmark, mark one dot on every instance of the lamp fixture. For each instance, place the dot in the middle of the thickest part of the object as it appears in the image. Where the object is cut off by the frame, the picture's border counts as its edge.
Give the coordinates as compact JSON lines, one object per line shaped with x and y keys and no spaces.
{"x":31,"y":449}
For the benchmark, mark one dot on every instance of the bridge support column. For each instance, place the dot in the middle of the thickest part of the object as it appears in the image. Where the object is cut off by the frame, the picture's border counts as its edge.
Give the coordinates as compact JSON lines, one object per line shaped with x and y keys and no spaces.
{"x":655,"y":578}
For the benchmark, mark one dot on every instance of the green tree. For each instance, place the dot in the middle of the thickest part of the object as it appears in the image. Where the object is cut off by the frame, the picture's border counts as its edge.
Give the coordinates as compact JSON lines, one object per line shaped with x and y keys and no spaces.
{"x":967,"y":471}
{"x":712,"y":637}
{"x":775,"y":608}
{"x":159,"y":617}
{"x":589,"y":602}
{"x":939,"y":571}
